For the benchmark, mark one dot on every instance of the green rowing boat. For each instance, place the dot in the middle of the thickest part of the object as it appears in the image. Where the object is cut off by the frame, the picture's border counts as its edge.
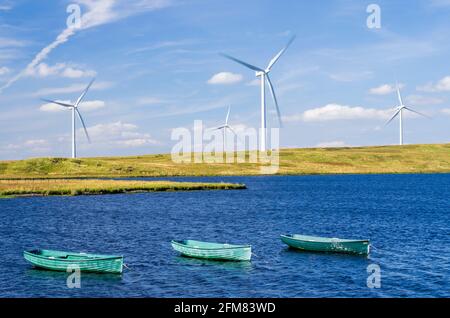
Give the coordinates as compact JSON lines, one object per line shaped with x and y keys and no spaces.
{"x":61,"y":261}
{"x":213,"y":251}
{"x":323,"y":244}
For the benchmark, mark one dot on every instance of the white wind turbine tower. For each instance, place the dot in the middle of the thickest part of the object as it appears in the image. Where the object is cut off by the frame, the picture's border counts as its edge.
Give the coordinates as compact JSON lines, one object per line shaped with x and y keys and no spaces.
{"x":224,"y":128}
{"x":264,"y":76}
{"x":74,"y":108}
{"x":399,"y":112}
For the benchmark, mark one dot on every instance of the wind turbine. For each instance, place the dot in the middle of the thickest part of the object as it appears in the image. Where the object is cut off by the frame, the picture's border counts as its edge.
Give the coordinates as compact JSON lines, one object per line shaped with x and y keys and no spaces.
{"x":74,"y":108}
{"x":399,"y":112}
{"x":264,"y":76}
{"x":224,"y":128}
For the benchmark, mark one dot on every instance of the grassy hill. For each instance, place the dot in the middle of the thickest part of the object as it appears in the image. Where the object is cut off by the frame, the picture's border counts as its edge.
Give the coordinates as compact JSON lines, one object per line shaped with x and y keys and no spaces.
{"x":382,"y":159}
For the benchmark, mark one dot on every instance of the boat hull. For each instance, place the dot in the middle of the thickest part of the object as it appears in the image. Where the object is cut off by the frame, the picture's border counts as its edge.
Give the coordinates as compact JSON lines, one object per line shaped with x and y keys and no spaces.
{"x":212,"y":251}
{"x":330,"y":245}
{"x":63,"y":261}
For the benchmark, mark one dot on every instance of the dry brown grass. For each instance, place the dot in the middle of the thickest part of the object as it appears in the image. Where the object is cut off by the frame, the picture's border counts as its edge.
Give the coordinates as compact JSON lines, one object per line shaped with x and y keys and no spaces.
{"x":382,"y":159}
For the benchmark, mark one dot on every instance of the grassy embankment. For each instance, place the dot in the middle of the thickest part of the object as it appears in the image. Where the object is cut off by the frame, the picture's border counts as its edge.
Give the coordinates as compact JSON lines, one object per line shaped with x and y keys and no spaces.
{"x":358,"y":160}
{"x":12,"y":188}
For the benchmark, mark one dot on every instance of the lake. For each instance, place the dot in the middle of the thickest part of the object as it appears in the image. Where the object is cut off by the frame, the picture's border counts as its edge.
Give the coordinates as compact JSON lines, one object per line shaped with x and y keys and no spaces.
{"x":406,"y":217}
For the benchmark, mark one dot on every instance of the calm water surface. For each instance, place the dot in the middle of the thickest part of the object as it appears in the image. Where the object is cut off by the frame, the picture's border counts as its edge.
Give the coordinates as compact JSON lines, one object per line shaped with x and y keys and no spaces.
{"x":407,"y":218}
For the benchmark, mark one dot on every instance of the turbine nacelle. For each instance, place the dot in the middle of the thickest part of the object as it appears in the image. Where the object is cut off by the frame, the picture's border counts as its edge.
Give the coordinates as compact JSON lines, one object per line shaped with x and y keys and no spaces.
{"x":264,"y":74}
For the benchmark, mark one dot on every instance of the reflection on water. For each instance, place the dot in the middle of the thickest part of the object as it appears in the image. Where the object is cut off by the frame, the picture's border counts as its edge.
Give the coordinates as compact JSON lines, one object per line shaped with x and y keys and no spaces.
{"x":228,"y":265}
{"x":291,"y":250}
{"x":40,"y":273}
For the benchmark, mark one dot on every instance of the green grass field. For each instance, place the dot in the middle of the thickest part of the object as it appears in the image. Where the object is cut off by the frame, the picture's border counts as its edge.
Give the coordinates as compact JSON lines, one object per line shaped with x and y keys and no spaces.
{"x":359,"y":160}
{"x":46,"y":187}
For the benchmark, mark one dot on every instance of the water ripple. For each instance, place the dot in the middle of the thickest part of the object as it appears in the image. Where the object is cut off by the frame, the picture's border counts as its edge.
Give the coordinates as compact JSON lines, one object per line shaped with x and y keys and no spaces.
{"x":406,"y":217}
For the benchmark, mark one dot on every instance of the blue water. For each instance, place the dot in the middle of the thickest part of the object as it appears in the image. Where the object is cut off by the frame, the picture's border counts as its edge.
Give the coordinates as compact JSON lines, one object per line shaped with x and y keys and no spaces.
{"x":407,"y":218}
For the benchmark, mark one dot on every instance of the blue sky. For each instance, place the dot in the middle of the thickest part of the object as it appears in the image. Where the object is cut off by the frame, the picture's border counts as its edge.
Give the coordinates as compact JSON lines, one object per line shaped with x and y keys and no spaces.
{"x":155,"y":63}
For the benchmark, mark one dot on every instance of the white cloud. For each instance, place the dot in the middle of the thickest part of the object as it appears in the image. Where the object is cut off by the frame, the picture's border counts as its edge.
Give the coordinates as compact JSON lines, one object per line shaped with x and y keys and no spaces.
{"x":5,"y":5}
{"x":50,"y":107}
{"x":351,"y":76}
{"x":423,"y":100}
{"x":44,"y":70}
{"x":74,"y":88}
{"x":71,"y":72}
{"x":332,"y":112}
{"x":98,"y":12}
{"x":332,"y":144}
{"x":440,"y":3}
{"x":150,"y":101}
{"x":393,"y":48}
{"x":7,"y":55}
{"x":162,"y":45}
{"x":446,"y":111}
{"x":225,"y":78}
{"x":8,"y":42}
{"x":106,"y":11}
{"x":255,"y":82}
{"x":36,"y":142}
{"x":138,"y":142}
{"x":120,"y":134}
{"x":59,"y":69}
{"x":282,"y":89}
{"x":84,"y":106}
{"x":442,"y":85}
{"x":101,"y":131}
{"x":31,"y":146}
{"x":385,"y":89}
{"x":42,"y":55}
{"x":91,"y":105}
{"x":4,"y":70}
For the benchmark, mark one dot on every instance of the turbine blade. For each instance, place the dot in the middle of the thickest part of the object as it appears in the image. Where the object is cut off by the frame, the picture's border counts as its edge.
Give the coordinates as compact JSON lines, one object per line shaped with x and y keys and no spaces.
{"x":277,"y":57}
{"x":57,"y":103}
{"x":272,"y":91}
{"x":228,"y":115}
{"x":252,"y":67}
{"x":423,"y":115}
{"x":84,"y":93}
{"x":395,"y":115}
{"x":399,"y":95}
{"x":84,"y":126}
{"x":232,"y":130}
{"x":216,"y":128}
